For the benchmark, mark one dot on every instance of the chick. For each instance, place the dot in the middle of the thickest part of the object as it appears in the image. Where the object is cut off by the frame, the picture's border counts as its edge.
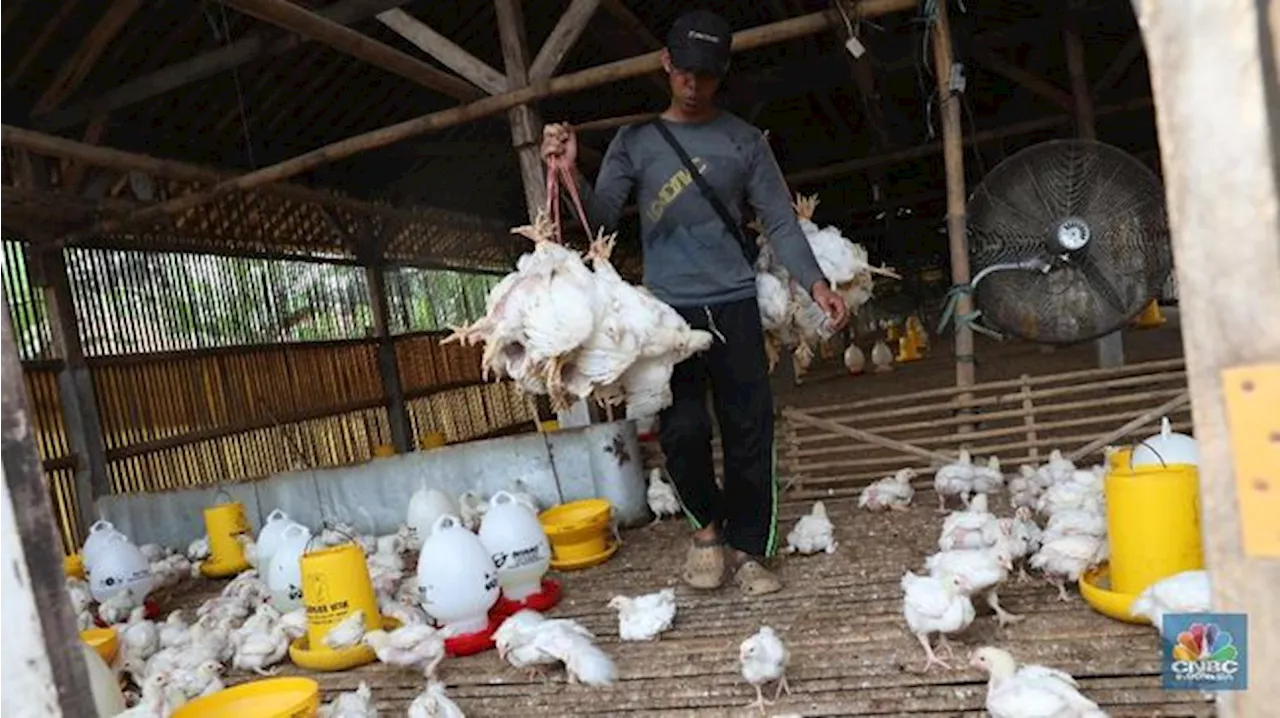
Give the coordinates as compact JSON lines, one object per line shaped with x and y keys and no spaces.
{"x":644,"y":618}
{"x":661,"y":496}
{"x":814,"y":532}
{"x":347,"y":632}
{"x":764,"y":658}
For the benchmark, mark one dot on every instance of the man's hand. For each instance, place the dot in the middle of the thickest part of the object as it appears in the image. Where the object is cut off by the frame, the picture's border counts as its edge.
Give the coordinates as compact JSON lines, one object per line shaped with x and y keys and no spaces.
{"x":559,"y":141}
{"x":832,"y":304}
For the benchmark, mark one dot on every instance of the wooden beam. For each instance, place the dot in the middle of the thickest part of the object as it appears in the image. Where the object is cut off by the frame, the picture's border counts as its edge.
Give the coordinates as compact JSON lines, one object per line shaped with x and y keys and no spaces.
{"x":42,"y":38}
{"x":1000,"y":66}
{"x":761,"y":36}
{"x":526,"y":126}
{"x":1221,"y":161}
{"x":295,"y":18}
{"x":80,"y":64}
{"x":1119,"y":66}
{"x":638,"y":35}
{"x":251,"y":47}
{"x":73,"y":173}
{"x":562,"y":39}
{"x":848,"y":167}
{"x":421,"y":36}
{"x":953,"y":154}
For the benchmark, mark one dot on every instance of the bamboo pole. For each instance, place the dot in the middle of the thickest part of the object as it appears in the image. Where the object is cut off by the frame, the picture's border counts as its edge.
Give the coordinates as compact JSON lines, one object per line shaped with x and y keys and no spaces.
{"x":1137,"y":422}
{"x":762,"y":36}
{"x":953,"y":158}
{"x":867,"y":436}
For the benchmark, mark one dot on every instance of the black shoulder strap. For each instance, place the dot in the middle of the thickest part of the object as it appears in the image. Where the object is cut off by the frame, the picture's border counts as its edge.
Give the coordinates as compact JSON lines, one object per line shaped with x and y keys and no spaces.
{"x":749,"y":248}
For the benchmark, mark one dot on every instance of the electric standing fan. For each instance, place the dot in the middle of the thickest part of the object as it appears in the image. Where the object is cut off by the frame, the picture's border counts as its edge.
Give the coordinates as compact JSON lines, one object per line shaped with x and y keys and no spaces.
{"x":1070,"y":241}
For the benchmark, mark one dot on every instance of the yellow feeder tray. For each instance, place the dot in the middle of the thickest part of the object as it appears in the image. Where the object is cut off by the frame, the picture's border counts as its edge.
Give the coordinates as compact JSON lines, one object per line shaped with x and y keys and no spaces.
{"x":105,"y":641}
{"x":578,"y":532}
{"x":326,"y":659}
{"x":1095,"y":588}
{"x":73,"y":566}
{"x":382,"y":451}
{"x":433,"y":440}
{"x":548,"y":426}
{"x":270,"y":698}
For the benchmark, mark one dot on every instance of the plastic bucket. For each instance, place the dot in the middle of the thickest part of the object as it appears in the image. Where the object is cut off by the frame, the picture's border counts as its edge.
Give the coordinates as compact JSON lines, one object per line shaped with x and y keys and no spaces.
{"x":1153,"y":524}
{"x":1120,"y":459}
{"x":223,"y":523}
{"x":578,"y":529}
{"x":335,"y":582}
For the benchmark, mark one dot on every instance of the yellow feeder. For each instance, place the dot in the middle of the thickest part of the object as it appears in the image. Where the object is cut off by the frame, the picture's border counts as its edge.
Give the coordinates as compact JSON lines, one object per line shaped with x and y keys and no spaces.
{"x":105,"y":641}
{"x":433,"y":440}
{"x":223,"y":523}
{"x":335,"y":583}
{"x":578,"y":532}
{"x":382,"y":451}
{"x":548,"y":426}
{"x":270,"y":698}
{"x":1119,"y":458}
{"x":911,"y":343}
{"x":1151,"y":317}
{"x":1153,"y":524}
{"x":73,"y":566}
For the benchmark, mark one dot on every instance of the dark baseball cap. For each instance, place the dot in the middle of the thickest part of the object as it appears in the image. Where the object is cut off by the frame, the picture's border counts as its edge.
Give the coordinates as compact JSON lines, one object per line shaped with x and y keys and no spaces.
{"x":700,"y":41}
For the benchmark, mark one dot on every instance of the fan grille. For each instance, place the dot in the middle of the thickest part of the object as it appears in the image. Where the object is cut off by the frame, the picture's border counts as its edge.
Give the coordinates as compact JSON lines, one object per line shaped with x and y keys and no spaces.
{"x":1016,"y":213}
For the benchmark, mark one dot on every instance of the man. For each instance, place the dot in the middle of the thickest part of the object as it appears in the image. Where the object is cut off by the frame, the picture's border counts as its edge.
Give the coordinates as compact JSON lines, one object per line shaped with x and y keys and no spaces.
{"x":696,"y":263}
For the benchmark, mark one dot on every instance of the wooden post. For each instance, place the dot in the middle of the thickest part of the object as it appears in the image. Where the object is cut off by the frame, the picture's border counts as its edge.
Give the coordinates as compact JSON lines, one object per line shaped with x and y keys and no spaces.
{"x":526,"y":137}
{"x":1213,"y":75}
{"x":43,"y":660}
{"x":75,"y":382}
{"x":1110,"y":349}
{"x":1029,"y":417}
{"x":953,"y":158}
{"x":370,"y":251}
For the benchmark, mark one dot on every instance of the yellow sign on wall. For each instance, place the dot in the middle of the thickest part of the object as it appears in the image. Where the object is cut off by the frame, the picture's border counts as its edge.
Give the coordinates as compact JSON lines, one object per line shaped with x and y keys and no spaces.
{"x":1252,"y":394}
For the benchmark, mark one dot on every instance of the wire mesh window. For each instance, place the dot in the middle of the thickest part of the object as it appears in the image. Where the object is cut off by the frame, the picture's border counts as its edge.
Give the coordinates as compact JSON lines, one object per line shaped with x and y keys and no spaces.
{"x":131,"y":302}
{"x":28,"y":313}
{"x":432,"y":299}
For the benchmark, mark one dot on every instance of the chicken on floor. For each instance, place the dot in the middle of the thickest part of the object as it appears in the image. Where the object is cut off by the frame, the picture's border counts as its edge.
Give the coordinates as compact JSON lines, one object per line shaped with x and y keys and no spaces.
{"x":1030,"y":691}
{"x":935,"y":605}
{"x":661,"y":496}
{"x":351,"y":704}
{"x":813,"y":533}
{"x":644,"y":618}
{"x":954,"y":479}
{"x":892,"y":493}
{"x":764,"y":659}
{"x":433,"y":702}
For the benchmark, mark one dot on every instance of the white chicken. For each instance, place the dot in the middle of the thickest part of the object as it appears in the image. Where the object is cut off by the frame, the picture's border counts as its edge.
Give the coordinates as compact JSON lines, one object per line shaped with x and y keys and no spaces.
{"x":935,"y":605}
{"x":1024,"y":489}
{"x":203,"y":680}
{"x":347,"y":632}
{"x":419,"y":646}
{"x":814,"y":532}
{"x":644,"y":618}
{"x":528,"y":640}
{"x":954,"y":479}
{"x":1030,"y":691}
{"x":198,"y":550}
{"x":972,"y":528}
{"x":1057,"y":470}
{"x":433,"y":702}
{"x":764,"y":659}
{"x":661,"y":496}
{"x":351,"y":704}
{"x":1068,"y":558}
{"x":155,"y":701}
{"x":1186,"y":592}
{"x":893,"y":493}
{"x":983,"y":570}
{"x":472,"y":507}
{"x":1088,"y":520}
{"x":258,"y":651}
{"x":139,"y":638}
{"x":1023,"y":536}
{"x":987,"y":478}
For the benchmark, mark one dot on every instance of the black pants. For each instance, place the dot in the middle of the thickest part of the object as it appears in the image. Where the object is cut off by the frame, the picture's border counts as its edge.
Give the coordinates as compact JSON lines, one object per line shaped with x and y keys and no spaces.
{"x":736,"y":372}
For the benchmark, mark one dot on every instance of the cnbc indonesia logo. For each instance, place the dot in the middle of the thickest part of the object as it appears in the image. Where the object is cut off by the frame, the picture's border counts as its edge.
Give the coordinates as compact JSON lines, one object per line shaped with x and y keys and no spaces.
{"x":1205,"y":653}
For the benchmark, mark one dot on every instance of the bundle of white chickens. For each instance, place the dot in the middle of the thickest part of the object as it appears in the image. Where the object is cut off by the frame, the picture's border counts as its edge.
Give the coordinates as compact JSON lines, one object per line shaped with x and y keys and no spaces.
{"x":559,"y":328}
{"x":788,"y":314}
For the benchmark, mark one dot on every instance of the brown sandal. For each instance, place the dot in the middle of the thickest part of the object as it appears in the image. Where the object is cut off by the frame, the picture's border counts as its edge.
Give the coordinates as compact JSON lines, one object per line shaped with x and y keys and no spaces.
{"x":704,"y":564}
{"x":755,"y":580}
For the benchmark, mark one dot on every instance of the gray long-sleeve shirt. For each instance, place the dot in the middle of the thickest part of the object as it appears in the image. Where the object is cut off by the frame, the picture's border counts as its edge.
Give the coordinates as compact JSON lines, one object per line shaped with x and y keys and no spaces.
{"x":690,"y":257}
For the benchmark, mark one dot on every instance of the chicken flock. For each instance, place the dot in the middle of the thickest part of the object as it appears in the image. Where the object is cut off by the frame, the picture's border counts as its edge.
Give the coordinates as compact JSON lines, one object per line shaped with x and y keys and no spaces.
{"x":570,"y":327}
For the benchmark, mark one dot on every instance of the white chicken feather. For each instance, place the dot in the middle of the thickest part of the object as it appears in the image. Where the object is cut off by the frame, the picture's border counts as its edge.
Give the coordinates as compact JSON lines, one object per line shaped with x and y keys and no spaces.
{"x":813,"y":533}
{"x":645,"y":617}
{"x":892,"y":492}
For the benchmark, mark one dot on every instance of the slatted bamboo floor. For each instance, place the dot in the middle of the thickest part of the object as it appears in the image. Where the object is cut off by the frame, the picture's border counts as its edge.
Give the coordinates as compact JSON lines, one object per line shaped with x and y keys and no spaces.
{"x":841,"y":617}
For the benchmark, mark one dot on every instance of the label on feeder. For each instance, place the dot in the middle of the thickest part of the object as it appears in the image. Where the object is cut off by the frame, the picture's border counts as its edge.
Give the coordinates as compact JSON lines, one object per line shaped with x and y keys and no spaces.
{"x":519,"y":558}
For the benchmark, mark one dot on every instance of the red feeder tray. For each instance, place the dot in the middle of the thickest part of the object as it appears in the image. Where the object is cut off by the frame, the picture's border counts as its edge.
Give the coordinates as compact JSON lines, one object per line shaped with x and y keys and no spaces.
{"x":542,"y":601}
{"x":151,"y":612}
{"x":469,"y":644}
